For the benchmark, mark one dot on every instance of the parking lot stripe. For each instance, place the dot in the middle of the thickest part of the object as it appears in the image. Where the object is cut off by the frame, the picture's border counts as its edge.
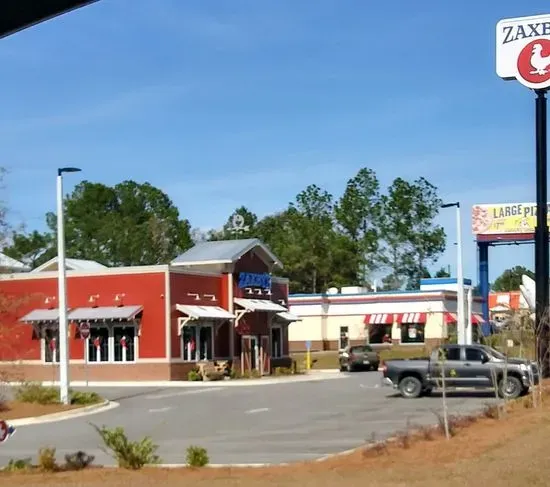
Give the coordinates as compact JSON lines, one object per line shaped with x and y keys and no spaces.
{"x":259,"y":410}
{"x":182,"y":393}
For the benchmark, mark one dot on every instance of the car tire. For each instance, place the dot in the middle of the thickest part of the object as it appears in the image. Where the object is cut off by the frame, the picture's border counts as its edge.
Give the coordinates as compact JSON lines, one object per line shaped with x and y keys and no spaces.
{"x":511,"y":389}
{"x":410,"y":387}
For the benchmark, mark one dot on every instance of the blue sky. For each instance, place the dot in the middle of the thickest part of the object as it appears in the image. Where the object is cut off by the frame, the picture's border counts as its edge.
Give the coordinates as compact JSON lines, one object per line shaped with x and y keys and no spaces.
{"x":225,"y":103}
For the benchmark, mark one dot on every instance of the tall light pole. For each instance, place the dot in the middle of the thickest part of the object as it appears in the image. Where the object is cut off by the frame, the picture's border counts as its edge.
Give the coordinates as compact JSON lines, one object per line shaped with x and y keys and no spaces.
{"x":460,"y":322}
{"x":62,"y":291}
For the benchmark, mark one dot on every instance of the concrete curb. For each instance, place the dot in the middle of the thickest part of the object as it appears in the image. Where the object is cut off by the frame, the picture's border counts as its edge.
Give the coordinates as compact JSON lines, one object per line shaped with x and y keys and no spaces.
{"x":199,"y":384}
{"x":64,"y":415}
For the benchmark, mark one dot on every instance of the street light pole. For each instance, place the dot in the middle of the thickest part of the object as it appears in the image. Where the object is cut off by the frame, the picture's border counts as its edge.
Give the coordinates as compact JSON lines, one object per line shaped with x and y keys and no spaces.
{"x":62,"y":291}
{"x":460,"y":321}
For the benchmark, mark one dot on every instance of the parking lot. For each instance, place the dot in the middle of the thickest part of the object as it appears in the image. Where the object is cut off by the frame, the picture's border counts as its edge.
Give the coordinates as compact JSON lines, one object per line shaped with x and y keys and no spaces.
{"x":261,"y":424}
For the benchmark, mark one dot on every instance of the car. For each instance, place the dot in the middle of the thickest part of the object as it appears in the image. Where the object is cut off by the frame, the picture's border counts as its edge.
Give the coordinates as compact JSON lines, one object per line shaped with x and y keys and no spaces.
{"x":466,"y":366}
{"x":359,"y":357}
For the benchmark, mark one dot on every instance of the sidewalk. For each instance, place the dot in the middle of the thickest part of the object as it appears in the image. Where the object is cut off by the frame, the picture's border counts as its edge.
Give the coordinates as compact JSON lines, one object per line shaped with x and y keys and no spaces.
{"x":312,"y":377}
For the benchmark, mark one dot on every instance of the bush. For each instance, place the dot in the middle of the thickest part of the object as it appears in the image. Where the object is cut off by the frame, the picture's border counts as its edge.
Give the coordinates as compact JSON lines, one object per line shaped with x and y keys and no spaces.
{"x":78,"y":460}
{"x":197,"y":456}
{"x":194,"y":375}
{"x":36,"y":393}
{"x":85,"y":398}
{"x":46,"y":459}
{"x":128,"y":454}
{"x":283,"y":371}
{"x":18,"y":465}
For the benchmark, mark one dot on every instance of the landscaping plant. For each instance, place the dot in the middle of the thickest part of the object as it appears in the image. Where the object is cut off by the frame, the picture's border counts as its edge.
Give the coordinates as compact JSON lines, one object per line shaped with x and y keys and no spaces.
{"x":46,"y":459}
{"x":197,"y":456}
{"x":128,"y":454}
{"x":78,"y":461}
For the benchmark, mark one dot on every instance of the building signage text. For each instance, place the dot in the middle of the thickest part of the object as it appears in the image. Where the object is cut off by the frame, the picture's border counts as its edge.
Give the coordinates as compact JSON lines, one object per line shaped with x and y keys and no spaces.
{"x":249,"y":279}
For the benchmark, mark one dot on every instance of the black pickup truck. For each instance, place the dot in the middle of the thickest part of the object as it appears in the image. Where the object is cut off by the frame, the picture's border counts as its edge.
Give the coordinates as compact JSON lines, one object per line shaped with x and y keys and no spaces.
{"x":466,"y":366}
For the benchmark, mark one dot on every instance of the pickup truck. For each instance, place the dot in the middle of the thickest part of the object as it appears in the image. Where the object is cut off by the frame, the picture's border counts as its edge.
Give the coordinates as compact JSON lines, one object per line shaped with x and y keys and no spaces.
{"x":466,"y":366}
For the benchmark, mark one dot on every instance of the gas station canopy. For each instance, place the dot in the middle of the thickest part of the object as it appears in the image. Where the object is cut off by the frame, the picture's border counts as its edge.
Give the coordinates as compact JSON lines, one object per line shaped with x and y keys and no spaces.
{"x":16,"y":15}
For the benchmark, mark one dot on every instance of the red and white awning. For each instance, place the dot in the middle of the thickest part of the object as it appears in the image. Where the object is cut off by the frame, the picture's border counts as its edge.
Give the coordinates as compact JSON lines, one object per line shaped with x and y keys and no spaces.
{"x":477,"y":319}
{"x":408,"y":318}
{"x":379,"y":319}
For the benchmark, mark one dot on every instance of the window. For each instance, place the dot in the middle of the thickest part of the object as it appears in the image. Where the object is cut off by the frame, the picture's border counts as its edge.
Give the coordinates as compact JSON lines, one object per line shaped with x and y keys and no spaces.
{"x":412,"y":333}
{"x":98,"y":344}
{"x":452,"y":353}
{"x":51,"y":345}
{"x":344,"y":338}
{"x":197,"y":343}
{"x":276,"y":341}
{"x":124,"y":343}
{"x":380,"y":333}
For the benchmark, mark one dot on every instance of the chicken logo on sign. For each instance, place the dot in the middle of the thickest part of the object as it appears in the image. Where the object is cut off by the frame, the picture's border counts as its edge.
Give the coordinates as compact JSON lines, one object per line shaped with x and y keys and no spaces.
{"x":523,"y":50}
{"x":534,"y":63}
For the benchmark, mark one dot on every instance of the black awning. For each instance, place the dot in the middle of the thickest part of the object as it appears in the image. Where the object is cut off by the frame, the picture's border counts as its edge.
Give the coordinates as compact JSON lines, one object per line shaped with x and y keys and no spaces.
{"x":16,"y":15}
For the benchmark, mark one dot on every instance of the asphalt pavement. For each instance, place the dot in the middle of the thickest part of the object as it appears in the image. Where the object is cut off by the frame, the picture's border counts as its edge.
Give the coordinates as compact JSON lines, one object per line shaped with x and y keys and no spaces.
{"x":249,"y":424}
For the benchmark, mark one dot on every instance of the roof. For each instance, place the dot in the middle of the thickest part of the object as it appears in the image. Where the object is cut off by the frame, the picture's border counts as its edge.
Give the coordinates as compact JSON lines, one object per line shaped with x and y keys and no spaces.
{"x":7,"y":262}
{"x":16,"y":15}
{"x":259,"y":305}
{"x":37,"y":315}
{"x":204,"y":312}
{"x":223,"y":252}
{"x":105,"y":313}
{"x":71,"y":265}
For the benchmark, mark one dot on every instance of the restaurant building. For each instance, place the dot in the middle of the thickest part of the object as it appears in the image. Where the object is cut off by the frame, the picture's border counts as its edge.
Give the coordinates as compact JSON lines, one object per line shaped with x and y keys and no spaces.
{"x":217,"y":301}
{"x":353,"y":316}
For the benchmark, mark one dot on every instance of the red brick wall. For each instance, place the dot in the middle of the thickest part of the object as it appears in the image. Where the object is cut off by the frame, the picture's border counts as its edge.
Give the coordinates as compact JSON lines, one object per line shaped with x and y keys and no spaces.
{"x":145,"y":289}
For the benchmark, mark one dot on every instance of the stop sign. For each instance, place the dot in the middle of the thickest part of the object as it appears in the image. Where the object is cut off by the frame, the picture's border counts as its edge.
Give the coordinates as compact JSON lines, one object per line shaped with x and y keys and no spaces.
{"x":84,"y":330}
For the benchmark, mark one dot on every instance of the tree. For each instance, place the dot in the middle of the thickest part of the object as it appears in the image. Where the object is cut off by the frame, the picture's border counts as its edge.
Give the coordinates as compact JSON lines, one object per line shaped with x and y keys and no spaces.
{"x":313,"y":211}
{"x":411,"y":239}
{"x":357,"y":215}
{"x":510,"y":279}
{"x":33,"y":249}
{"x":128,"y":224}
{"x":442,"y":273}
{"x":229,"y":231}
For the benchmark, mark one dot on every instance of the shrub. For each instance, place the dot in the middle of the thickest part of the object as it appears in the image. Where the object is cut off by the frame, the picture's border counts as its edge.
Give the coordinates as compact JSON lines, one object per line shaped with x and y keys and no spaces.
{"x":78,"y":460}
{"x":128,"y":454}
{"x":283,"y":371}
{"x":194,"y":375}
{"x":46,"y":459}
{"x":234,"y":374}
{"x":197,"y":456}
{"x":84,"y":398}
{"x":33,"y":392}
{"x":18,"y":465}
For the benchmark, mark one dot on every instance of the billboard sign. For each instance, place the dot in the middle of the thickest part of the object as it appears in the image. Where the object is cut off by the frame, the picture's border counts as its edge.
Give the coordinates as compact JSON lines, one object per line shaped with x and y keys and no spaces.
{"x":523,"y":50}
{"x":504,"y":218}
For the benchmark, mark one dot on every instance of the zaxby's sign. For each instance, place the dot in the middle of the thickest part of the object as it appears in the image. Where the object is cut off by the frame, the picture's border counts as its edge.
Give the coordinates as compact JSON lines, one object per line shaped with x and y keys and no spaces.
{"x":249,"y":279}
{"x":523,"y":50}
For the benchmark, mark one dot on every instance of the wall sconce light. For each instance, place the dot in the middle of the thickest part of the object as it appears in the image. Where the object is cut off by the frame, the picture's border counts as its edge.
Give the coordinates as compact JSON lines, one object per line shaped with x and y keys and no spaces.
{"x":119,"y":299}
{"x":282,"y":301}
{"x":212,"y":297}
{"x":268,"y":292}
{"x":197,"y":296}
{"x":248,"y":290}
{"x":50,"y":301}
{"x":258,"y":291}
{"x":93,"y":298}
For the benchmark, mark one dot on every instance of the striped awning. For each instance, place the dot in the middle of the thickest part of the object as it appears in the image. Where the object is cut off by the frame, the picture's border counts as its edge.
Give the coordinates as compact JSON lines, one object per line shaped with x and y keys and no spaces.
{"x":409,"y":318}
{"x":477,"y":319}
{"x":379,"y":319}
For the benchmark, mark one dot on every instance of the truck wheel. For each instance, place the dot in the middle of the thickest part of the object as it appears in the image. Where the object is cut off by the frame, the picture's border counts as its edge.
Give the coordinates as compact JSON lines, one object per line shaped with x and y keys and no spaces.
{"x":511,"y":388}
{"x":410,"y":387}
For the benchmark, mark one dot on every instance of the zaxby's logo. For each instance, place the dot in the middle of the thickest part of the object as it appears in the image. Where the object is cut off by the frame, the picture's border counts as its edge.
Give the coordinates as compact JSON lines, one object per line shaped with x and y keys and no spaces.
{"x":534,"y":63}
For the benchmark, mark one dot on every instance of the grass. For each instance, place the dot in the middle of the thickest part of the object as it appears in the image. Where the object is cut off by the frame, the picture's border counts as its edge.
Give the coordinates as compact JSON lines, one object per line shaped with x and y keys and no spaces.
{"x":511,"y":452}
{"x":329,"y":360}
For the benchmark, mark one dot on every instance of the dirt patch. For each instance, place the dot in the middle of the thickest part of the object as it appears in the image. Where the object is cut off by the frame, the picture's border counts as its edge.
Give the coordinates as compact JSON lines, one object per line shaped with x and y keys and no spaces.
{"x":17,"y":410}
{"x":511,"y":451}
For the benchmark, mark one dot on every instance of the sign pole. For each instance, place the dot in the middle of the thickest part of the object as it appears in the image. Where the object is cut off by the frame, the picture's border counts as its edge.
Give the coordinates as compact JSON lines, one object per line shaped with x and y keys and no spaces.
{"x":541,"y":236}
